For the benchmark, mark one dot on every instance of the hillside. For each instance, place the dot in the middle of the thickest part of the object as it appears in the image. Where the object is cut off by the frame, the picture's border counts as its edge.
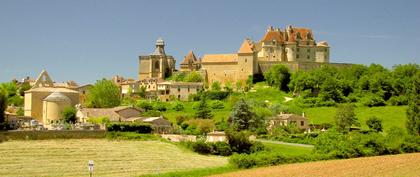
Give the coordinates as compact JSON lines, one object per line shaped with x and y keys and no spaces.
{"x":390,"y":115}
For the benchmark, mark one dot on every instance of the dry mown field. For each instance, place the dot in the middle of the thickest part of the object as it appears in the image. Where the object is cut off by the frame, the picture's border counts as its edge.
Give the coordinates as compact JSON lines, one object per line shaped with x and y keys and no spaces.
{"x":407,"y":165}
{"x":112,"y":158}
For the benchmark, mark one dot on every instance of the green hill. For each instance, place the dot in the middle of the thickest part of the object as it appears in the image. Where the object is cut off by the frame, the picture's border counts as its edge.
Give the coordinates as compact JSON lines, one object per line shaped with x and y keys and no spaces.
{"x":390,"y":115}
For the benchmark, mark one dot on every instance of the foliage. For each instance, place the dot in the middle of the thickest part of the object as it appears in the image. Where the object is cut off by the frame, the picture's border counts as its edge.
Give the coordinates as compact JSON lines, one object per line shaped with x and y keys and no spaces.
{"x":239,"y":141}
{"x":413,"y":111}
{"x":69,"y":115}
{"x":129,"y":127}
{"x":141,"y":91}
{"x":11,"y":92}
{"x":374,"y":123}
{"x":217,"y":104}
{"x":193,"y":76}
{"x":144,"y":104}
{"x":242,"y":116}
{"x":99,"y":120}
{"x":203,"y":110}
{"x":160,"y":106}
{"x":20,"y":111}
{"x":152,"y":113}
{"x":131,"y":136}
{"x":178,"y":106}
{"x":3,"y":106}
{"x":278,"y":76}
{"x":198,"y":126}
{"x":345,"y":117}
{"x":216,"y":95}
{"x":104,"y":94}
{"x":214,"y":148}
{"x":216,"y":86}
{"x":44,"y":135}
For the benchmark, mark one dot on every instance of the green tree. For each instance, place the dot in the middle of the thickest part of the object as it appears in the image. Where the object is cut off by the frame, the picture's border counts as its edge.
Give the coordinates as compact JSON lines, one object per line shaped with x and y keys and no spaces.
{"x":345,"y":117}
{"x":141,"y":92}
{"x":203,"y":110}
{"x":24,"y":87}
{"x":278,"y":76}
{"x":374,"y":123}
{"x":228,"y":87}
{"x":104,"y":94}
{"x":216,"y":86}
{"x":3,"y":106}
{"x":413,"y":111}
{"x":193,"y":76}
{"x":69,"y":115}
{"x":242,"y":116}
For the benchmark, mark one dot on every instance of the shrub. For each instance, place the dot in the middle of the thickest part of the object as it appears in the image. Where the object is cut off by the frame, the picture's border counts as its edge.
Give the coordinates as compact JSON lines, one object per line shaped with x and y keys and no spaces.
{"x":221,"y":148}
{"x":130,"y":136}
{"x":201,"y":147}
{"x":371,"y":100}
{"x":129,"y":127}
{"x":69,"y":115}
{"x":239,"y":141}
{"x":217,"y":95}
{"x":51,"y":134}
{"x":398,"y":100}
{"x":217,"y":104}
{"x":146,"y":105}
{"x":200,"y":126}
{"x":178,"y":106}
{"x":374,"y":123}
{"x":98,"y":120}
{"x":160,"y":106}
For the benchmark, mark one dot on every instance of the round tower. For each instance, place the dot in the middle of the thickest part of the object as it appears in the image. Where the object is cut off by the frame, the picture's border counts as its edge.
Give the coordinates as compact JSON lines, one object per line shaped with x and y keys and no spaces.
{"x":53,"y":106}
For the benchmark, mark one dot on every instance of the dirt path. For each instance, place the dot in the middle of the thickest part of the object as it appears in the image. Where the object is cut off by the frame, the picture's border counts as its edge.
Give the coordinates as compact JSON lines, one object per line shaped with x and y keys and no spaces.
{"x":381,"y":166}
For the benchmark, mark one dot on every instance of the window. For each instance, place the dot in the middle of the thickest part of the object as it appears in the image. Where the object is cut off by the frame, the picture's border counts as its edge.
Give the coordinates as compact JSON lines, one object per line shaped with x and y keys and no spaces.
{"x":179,"y":96}
{"x":157,"y":65}
{"x":297,"y":56}
{"x":245,"y":60}
{"x":309,"y":50}
{"x":297,"y":49}
{"x":188,"y":88}
{"x":179,"y":89}
{"x":307,"y":57}
{"x":302,"y":123}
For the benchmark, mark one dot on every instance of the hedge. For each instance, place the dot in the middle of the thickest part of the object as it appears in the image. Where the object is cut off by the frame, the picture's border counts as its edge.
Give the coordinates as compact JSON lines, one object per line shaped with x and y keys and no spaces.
{"x":51,"y":134}
{"x":129,"y":127}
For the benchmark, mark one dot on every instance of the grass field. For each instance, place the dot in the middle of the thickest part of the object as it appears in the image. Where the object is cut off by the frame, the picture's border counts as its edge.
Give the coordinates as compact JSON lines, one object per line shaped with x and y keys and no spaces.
{"x":112,"y":158}
{"x":390,"y":115}
{"x":379,"y":166}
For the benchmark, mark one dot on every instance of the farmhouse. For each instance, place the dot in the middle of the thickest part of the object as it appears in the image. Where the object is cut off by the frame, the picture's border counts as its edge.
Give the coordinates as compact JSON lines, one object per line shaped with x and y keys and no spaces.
{"x":287,"y":119}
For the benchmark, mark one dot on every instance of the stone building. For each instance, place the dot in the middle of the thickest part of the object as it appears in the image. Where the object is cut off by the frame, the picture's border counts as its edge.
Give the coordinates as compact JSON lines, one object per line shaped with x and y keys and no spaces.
{"x":286,"y":119}
{"x":190,"y":63}
{"x":44,"y":101}
{"x":177,"y":90}
{"x":157,"y":64}
{"x":293,"y":47}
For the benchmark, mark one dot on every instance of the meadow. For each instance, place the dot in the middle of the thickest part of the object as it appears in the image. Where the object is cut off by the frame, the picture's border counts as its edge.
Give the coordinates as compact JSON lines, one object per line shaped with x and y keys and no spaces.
{"x":390,"y":115}
{"x":62,"y":157}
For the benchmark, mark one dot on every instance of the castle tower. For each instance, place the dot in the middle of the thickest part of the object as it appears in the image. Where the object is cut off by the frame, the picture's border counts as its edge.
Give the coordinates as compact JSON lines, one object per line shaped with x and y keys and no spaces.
{"x":290,"y":44}
{"x":157,"y":64}
{"x":246,"y":61}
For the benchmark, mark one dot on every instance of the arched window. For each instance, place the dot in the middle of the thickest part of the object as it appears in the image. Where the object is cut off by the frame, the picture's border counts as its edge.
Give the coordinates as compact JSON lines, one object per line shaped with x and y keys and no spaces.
{"x":157,"y":67}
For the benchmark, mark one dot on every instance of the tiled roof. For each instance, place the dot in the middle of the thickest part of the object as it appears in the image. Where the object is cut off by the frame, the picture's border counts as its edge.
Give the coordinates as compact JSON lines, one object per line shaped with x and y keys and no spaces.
{"x":214,"y":58}
{"x":190,"y":58}
{"x":303,"y":32}
{"x":246,"y":47}
{"x":273,"y":35}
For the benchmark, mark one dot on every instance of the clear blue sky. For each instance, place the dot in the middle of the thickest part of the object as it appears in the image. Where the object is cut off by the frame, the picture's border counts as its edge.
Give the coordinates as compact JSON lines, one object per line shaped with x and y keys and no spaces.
{"x":86,"y":40}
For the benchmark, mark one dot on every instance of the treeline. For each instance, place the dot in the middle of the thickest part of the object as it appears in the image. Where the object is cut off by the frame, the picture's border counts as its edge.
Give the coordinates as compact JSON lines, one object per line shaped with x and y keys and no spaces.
{"x":372,"y":85}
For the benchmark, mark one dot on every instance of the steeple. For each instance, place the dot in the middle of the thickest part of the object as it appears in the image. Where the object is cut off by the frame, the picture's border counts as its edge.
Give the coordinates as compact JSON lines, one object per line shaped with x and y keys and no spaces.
{"x":160,"y":47}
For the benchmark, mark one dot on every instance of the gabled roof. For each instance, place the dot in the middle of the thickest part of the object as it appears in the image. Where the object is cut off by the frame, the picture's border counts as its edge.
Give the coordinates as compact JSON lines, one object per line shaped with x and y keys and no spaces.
{"x":303,"y":32}
{"x":190,"y":58}
{"x":214,"y":58}
{"x":43,"y":80}
{"x":246,"y":47}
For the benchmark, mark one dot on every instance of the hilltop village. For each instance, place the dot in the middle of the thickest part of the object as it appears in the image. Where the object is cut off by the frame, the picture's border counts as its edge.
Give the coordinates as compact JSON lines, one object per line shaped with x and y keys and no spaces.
{"x":294,"y":47}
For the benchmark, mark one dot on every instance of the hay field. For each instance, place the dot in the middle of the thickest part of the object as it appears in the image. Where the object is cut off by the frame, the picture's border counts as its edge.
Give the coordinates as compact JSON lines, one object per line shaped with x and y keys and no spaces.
{"x":112,"y":158}
{"x":379,"y":166}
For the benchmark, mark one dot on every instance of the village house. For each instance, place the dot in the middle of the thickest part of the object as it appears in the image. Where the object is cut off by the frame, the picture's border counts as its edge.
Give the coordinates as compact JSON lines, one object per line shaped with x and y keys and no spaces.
{"x":286,"y":119}
{"x":117,"y":114}
{"x":177,"y":90}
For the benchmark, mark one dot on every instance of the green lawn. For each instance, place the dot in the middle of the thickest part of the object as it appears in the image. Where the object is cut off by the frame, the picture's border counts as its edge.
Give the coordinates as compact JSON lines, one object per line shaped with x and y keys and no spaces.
{"x":112,"y":158}
{"x":390,"y":115}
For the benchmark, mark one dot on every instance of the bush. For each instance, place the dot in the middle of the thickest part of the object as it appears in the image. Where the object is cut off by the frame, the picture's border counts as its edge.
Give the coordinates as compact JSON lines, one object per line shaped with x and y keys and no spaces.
{"x":51,"y":134}
{"x":217,"y":95}
{"x":178,"y":106}
{"x":201,"y":147}
{"x":374,"y":123}
{"x":371,"y":100}
{"x":69,"y":115}
{"x":221,"y":148}
{"x":146,"y":105}
{"x":130,"y":136}
{"x":239,"y":141}
{"x":129,"y":127}
{"x":160,"y":106}
{"x":217,"y":104}
{"x":98,"y":120}
{"x":398,"y":100}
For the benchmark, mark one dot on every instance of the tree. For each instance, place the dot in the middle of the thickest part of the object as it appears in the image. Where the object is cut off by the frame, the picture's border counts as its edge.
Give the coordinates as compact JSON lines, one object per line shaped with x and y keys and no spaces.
{"x":345,"y":117}
{"x":278,"y":76}
{"x":203,"y":110}
{"x":104,"y":94}
{"x":216,"y":86}
{"x":69,"y":115}
{"x":142,"y":91}
{"x":3,"y":106}
{"x":413,"y":111}
{"x":374,"y":123}
{"x":193,"y":76}
{"x":242,"y":116}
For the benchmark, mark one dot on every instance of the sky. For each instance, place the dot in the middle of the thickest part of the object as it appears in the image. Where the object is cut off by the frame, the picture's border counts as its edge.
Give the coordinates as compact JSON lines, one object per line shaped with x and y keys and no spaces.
{"x":87,"y":40}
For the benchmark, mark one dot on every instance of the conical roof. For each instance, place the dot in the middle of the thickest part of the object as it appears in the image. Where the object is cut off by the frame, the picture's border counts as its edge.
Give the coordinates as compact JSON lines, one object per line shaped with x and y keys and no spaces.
{"x":246,"y":47}
{"x":57,"y":97}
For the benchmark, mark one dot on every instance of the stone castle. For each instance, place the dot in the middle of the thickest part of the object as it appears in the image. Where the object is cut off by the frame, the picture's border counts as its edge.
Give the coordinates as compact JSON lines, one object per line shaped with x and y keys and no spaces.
{"x":294,"y":47}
